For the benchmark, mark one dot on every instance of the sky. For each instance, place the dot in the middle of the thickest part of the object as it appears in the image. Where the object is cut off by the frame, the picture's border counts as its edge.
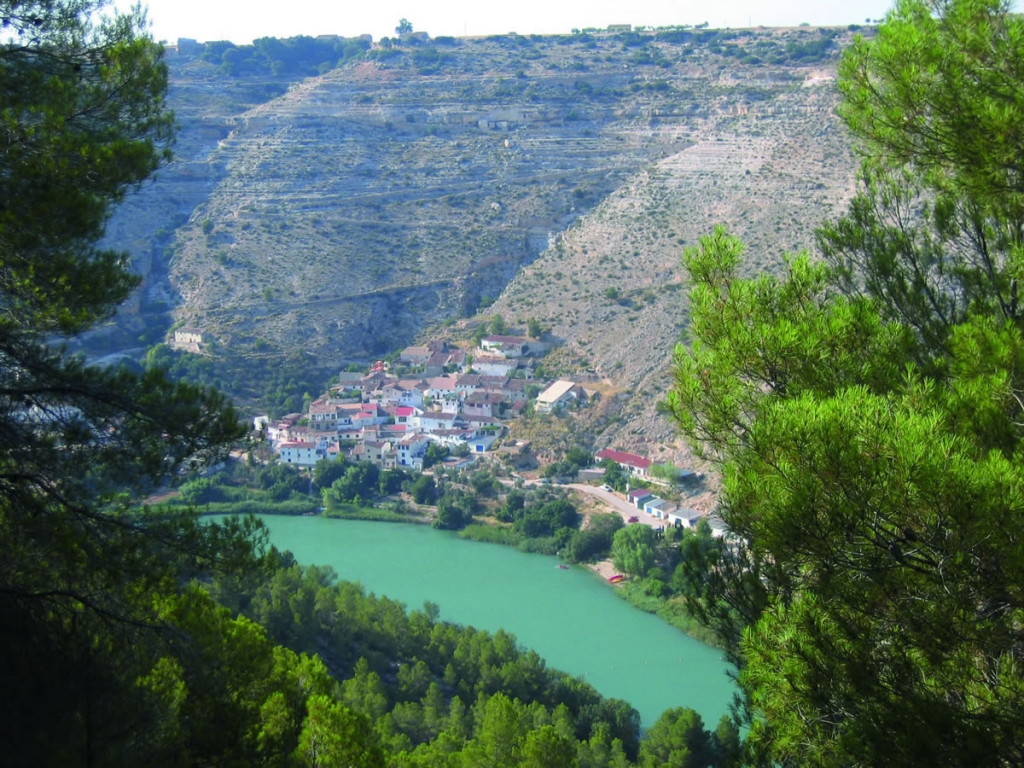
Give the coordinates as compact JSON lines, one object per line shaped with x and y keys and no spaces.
{"x":242,"y":21}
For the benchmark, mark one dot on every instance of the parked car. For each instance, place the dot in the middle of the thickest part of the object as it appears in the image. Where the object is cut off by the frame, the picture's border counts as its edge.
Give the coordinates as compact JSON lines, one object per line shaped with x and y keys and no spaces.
{"x":634,"y":519}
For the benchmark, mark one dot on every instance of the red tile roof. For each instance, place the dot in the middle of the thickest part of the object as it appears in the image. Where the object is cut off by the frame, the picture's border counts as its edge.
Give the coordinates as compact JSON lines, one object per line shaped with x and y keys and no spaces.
{"x":621,"y":457}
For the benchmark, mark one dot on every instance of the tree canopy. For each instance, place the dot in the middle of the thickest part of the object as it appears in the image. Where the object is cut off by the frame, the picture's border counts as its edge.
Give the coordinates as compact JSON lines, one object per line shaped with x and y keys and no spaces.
{"x":866,"y":414}
{"x":107,"y":656}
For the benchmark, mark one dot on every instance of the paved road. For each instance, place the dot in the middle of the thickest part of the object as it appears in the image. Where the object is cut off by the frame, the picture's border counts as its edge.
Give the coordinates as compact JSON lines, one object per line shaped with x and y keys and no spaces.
{"x":613,"y":500}
{"x":618,"y":504}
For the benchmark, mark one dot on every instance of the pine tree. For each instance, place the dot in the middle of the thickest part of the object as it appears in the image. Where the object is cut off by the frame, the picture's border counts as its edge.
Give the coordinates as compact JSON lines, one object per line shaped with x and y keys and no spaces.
{"x":866,"y":413}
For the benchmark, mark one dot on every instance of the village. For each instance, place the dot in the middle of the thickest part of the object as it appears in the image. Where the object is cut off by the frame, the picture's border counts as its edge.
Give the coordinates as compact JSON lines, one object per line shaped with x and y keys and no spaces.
{"x":453,"y":406}
{"x":457,"y":401}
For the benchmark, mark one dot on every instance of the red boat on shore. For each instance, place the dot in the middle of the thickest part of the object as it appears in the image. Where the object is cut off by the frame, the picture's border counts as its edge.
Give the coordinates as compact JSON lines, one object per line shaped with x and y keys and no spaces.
{"x":616,"y":578}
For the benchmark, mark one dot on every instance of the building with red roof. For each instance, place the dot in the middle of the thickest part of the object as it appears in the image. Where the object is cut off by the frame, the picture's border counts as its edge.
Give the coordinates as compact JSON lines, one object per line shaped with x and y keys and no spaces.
{"x":637,"y":466}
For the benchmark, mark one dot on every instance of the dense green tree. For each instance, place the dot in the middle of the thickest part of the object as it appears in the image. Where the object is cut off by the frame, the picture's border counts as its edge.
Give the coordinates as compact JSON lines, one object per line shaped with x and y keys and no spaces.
{"x":410,"y":674}
{"x":93,"y":671}
{"x":360,"y":481}
{"x":668,"y":472}
{"x":499,"y":734}
{"x":391,"y":481}
{"x":423,"y":490}
{"x":677,"y":740}
{"x":435,"y":454}
{"x":512,"y":509}
{"x":601,"y":750}
{"x":581,"y":457}
{"x":561,"y":469}
{"x":485,"y":484}
{"x":336,"y":737}
{"x":548,"y":518}
{"x":546,"y":748}
{"x":634,"y":549}
{"x":83,"y":105}
{"x":595,"y":541}
{"x":726,"y":743}
{"x":326,"y":472}
{"x":614,"y":475}
{"x":866,"y":414}
{"x":696,"y":547}
{"x":455,"y":510}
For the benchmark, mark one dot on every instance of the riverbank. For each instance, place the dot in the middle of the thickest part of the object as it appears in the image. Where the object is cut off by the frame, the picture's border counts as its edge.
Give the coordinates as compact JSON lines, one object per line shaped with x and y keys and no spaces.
{"x":376,"y":514}
{"x":603,"y":568}
{"x":670,"y":610}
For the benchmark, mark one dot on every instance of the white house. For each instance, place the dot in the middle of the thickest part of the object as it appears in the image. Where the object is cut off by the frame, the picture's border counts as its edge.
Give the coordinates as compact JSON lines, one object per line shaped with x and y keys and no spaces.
{"x":653,"y":505}
{"x":401,"y":392}
{"x":490,"y":365}
{"x":558,"y":394}
{"x":379,"y":452}
{"x":433,"y":422}
{"x":485,"y":404}
{"x":415,"y":355}
{"x":685,"y":517}
{"x":368,"y":416}
{"x":298,"y":453}
{"x":188,"y":336}
{"x":443,"y":387}
{"x":410,"y":451}
{"x":406,"y":414}
{"x":323,"y":415}
{"x":481,"y":443}
{"x":504,"y":346}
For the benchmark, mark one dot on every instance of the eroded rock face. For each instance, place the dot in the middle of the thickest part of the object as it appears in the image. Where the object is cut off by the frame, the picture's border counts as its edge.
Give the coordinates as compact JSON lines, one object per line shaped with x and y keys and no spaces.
{"x":341,"y":214}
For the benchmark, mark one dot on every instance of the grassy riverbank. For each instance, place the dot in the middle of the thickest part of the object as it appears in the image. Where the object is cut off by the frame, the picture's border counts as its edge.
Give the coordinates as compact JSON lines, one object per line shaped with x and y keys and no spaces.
{"x":671,"y":610}
{"x":379,"y":514}
{"x":497,"y":534}
{"x":260,"y":507}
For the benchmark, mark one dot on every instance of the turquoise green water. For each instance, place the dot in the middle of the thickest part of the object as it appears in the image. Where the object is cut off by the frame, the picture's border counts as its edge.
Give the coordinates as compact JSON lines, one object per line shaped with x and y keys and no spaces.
{"x":570,"y":617}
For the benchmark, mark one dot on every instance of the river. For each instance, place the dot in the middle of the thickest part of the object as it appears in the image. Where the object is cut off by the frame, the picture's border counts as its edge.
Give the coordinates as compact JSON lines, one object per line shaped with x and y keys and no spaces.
{"x":569,"y":616}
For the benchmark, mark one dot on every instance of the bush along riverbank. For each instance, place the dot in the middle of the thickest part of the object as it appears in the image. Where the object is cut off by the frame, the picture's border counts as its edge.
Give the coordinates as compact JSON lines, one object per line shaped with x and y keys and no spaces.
{"x":662,"y":565}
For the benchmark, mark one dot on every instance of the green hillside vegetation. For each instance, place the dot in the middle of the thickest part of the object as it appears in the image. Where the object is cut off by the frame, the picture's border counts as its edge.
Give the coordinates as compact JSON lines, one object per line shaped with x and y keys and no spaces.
{"x":865,"y":412}
{"x":459,"y":696}
{"x":303,"y":56}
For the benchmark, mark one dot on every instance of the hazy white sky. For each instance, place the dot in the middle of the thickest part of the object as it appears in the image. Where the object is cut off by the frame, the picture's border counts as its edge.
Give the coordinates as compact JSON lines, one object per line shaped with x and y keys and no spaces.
{"x":241,"y":21}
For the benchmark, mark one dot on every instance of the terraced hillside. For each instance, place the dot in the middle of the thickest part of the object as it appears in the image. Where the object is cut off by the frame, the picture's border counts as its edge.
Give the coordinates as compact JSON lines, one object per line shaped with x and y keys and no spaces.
{"x":339,"y":218}
{"x":611,"y":289}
